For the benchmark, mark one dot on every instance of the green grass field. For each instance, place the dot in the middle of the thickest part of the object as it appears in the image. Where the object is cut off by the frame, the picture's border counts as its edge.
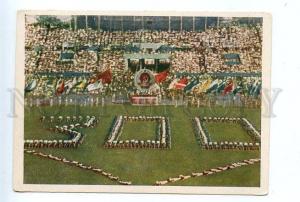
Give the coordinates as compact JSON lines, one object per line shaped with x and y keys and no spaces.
{"x":141,"y":166}
{"x":233,"y":132}
{"x":45,"y":134}
{"x":139,"y":130}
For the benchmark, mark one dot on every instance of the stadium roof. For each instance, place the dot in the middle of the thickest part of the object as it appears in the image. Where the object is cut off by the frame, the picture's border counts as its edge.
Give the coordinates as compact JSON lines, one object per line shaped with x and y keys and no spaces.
{"x":159,"y":56}
{"x":153,"y":46}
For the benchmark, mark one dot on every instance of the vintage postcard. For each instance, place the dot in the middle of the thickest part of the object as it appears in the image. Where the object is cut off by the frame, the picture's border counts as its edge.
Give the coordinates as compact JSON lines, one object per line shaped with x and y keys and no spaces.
{"x":142,"y":102}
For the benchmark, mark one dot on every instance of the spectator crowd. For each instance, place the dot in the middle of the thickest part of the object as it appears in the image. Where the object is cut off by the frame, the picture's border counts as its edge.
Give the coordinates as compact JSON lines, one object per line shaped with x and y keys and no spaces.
{"x":204,"y":51}
{"x":194,"y":52}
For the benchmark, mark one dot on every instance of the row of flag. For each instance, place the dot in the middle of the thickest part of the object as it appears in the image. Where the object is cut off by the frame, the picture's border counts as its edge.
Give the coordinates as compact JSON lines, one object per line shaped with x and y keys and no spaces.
{"x":65,"y":86}
{"x":250,"y":86}
{"x":94,"y":83}
{"x":197,"y":84}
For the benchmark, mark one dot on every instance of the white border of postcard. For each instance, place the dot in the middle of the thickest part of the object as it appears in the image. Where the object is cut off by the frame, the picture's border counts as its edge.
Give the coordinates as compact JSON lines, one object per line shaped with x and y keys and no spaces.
{"x":18,"y":152}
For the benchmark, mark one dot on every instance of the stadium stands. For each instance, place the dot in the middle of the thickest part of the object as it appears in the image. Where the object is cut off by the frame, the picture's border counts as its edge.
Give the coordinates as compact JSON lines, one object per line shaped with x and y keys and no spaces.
{"x":196,"y":45}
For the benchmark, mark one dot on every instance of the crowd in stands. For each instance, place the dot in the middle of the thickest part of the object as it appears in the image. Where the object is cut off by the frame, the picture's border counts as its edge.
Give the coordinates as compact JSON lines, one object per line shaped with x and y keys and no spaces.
{"x":205,"y":49}
{"x":197,"y":52}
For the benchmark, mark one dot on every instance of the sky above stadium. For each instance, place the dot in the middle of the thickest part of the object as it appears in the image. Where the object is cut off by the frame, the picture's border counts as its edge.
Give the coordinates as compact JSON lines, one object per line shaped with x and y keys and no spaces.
{"x":33,"y":18}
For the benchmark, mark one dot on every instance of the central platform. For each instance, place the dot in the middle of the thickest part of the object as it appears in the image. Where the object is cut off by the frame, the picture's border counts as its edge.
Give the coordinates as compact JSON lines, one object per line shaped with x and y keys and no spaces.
{"x":144,"y":100}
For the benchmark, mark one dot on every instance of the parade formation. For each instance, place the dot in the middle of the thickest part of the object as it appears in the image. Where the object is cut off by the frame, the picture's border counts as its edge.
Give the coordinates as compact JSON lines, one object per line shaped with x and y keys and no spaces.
{"x":163,"y":136}
{"x":75,"y":138}
{"x":207,"y":142}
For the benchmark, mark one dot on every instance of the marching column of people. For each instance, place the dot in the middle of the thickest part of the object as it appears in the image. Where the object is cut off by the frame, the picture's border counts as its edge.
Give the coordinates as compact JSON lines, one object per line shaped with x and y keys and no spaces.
{"x":80,"y":165}
{"x":163,"y":133}
{"x":69,"y":130}
{"x":204,"y":139}
{"x":209,"y":172}
{"x":251,"y":130}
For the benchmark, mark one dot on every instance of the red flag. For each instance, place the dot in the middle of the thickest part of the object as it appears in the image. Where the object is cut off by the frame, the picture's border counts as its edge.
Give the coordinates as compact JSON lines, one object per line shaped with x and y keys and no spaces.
{"x":105,"y":76}
{"x":228,"y":88}
{"x":161,"y":77}
{"x":181,"y":83}
{"x":60,"y":89}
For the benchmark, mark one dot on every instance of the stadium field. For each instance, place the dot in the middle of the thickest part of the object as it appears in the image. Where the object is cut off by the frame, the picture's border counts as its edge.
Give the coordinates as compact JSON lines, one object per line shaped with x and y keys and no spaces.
{"x":45,"y":134}
{"x":232,"y":132}
{"x":140,"y":130}
{"x":140,"y":166}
